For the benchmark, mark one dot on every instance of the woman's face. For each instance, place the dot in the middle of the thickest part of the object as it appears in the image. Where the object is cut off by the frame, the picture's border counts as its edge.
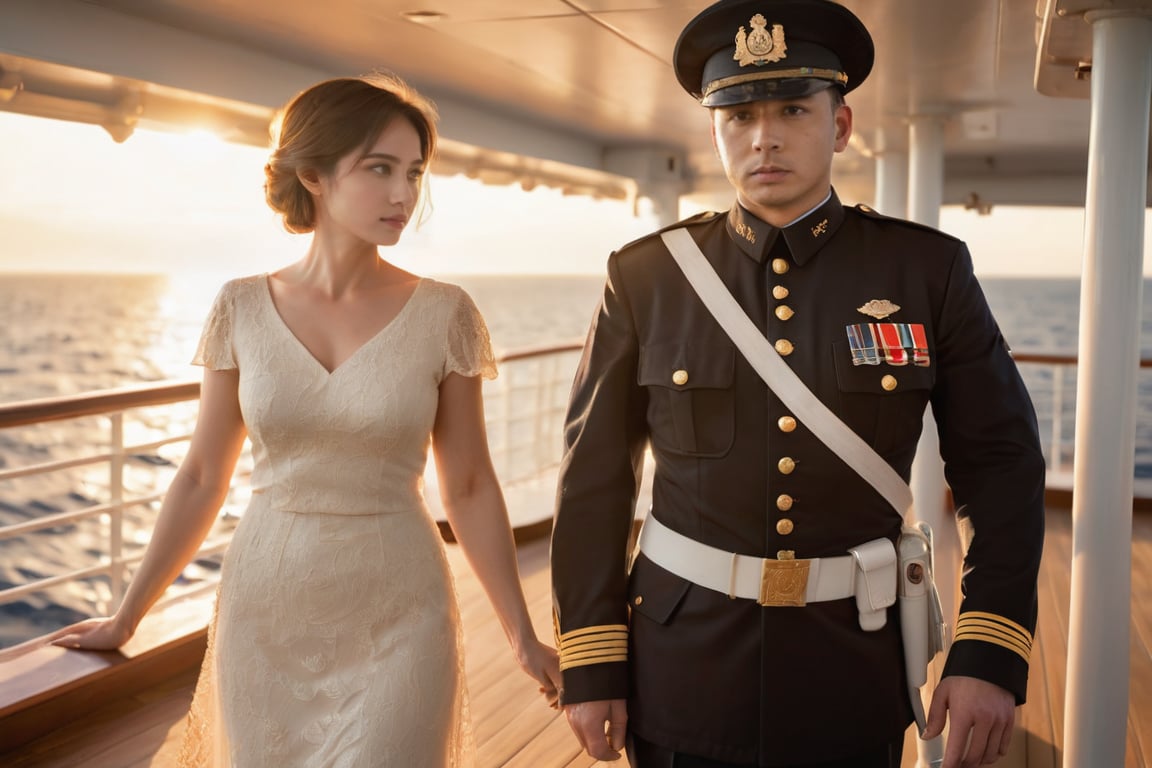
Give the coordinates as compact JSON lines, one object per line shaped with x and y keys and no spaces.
{"x":371,"y":196}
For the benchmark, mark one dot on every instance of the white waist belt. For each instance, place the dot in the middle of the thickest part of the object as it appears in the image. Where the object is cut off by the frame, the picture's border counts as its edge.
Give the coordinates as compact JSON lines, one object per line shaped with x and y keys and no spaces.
{"x":868,"y":572}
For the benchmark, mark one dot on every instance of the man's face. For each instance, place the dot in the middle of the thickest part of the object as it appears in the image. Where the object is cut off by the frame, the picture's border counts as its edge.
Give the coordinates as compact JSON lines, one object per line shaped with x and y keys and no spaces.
{"x":777,"y":153}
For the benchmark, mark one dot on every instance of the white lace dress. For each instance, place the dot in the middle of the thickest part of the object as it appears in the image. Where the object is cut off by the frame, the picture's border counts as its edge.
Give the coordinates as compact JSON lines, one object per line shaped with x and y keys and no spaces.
{"x":336,"y":641}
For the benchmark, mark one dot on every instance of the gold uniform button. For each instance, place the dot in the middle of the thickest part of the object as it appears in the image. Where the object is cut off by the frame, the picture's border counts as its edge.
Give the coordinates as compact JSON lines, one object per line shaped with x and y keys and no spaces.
{"x":783,"y":502}
{"x":786,"y":423}
{"x":784,"y":347}
{"x":779,"y":266}
{"x":680,"y":377}
{"x":639,"y":599}
{"x":784,"y":312}
{"x":784,"y":526}
{"x":779,"y":292}
{"x":786,"y":465}
{"x":888,"y":382}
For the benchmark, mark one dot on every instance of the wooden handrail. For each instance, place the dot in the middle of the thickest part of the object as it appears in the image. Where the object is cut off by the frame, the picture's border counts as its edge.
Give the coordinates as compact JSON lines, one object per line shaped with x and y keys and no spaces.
{"x":1058,"y":358}
{"x":97,"y":402}
{"x":165,"y":392}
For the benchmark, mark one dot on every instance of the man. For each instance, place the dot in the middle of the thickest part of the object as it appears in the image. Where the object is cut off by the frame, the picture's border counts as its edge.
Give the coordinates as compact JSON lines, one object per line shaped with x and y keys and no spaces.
{"x":877,"y":317}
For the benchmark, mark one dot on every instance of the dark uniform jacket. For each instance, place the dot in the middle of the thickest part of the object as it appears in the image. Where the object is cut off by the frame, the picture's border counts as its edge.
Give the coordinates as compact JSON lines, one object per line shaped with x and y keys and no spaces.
{"x":727,"y":678}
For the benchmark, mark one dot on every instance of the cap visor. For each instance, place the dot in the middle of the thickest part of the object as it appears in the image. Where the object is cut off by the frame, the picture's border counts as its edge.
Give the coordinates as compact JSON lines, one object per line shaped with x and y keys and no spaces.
{"x":758,"y":90}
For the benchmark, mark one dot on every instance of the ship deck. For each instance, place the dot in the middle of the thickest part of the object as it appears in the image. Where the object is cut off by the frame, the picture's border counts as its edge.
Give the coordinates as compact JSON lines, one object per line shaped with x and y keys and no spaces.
{"x":514,"y":726}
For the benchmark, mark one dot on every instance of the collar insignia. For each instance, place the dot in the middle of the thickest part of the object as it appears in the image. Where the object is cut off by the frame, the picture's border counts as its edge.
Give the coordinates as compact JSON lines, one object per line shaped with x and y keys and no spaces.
{"x":758,"y":46}
{"x":746,"y":231}
{"x":878,"y":308}
{"x":820,"y":228}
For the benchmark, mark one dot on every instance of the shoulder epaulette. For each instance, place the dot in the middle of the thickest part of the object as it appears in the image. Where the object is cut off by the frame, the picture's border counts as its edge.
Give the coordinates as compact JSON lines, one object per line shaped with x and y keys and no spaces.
{"x":700,"y":218}
{"x":872,"y":213}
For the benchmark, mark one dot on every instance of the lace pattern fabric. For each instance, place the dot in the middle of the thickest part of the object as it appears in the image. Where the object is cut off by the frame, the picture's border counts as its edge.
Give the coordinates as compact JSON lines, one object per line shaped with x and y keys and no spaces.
{"x":336,"y":640}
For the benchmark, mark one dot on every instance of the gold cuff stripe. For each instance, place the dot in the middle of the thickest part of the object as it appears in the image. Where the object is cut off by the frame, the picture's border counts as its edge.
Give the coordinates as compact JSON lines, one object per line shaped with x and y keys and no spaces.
{"x":602,"y":643}
{"x":588,"y":662}
{"x":593,"y":649}
{"x":594,"y":653}
{"x":1008,"y":639}
{"x":1006,"y":623}
{"x":997,"y":628}
{"x":608,"y":650}
{"x":989,"y":623}
{"x":777,"y":74}
{"x":1015,"y":642}
{"x":995,"y":640}
{"x":565,"y":637}
{"x":616,"y":638}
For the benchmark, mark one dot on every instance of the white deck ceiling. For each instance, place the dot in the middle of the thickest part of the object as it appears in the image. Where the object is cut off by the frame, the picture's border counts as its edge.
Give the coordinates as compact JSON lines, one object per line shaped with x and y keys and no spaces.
{"x":550,"y":87}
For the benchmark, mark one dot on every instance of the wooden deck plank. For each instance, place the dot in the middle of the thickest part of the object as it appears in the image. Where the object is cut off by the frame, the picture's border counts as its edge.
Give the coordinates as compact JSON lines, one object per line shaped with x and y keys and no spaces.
{"x":1140,"y":652}
{"x":1052,"y":629}
{"x":514,"y":727}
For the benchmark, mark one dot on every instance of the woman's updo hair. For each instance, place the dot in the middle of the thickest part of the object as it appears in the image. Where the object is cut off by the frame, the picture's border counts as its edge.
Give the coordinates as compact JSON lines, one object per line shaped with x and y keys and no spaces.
{"x":324,"y":123}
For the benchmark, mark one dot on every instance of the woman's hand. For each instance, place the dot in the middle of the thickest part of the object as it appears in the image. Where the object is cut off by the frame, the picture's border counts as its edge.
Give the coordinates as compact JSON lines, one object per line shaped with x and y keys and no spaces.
{"x":106,"y":634}
{"x":541,"y":662}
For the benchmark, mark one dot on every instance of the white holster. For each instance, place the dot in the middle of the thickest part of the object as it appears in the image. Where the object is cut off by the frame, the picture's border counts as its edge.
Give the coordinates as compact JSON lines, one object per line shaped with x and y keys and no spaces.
{"x":921,"y":618}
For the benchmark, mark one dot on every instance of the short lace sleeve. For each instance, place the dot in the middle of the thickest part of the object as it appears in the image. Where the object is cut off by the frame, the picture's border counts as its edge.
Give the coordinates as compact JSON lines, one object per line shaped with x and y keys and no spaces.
{"x":469,"y":346}
{"x":215,"y":348}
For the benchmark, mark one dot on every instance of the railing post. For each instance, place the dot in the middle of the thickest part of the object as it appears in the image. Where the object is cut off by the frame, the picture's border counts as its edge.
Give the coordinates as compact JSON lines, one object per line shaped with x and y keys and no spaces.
{"x":543,"y":416}
{"x":1056,"y":454}
{"x":505,"y":444}
{"x":116,"y":513}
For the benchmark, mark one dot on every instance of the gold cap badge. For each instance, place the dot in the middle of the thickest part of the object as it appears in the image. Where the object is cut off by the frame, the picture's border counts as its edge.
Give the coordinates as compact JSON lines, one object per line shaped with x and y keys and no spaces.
{"x":878,"y":308}
{"x":758,"y":46}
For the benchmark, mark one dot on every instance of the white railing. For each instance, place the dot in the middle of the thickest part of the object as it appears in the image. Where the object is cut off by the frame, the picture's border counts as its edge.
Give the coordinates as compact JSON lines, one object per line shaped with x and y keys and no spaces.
{"x":1051,"y":381}
{"x":114,"y":484}
{"x":115,"y":481}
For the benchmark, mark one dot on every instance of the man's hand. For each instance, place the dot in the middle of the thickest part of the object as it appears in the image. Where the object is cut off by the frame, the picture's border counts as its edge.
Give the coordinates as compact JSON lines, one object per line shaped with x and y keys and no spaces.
{"x":587,"y":720}
{"x":982,"y":715}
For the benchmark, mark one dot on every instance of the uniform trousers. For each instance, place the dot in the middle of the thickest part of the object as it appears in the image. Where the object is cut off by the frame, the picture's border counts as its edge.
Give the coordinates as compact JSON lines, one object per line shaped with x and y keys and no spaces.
{"x":645,"y":754}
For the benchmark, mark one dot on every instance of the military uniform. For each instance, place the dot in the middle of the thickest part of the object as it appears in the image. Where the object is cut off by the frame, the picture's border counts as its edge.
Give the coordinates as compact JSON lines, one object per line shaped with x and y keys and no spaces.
{"x":730,"y":679}
{"x":878,"y":317}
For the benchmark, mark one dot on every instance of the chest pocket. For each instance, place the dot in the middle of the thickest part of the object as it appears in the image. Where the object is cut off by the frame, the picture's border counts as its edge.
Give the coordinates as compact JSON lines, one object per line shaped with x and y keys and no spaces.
{"x":691,"y":405}
{"x":884,"y":404}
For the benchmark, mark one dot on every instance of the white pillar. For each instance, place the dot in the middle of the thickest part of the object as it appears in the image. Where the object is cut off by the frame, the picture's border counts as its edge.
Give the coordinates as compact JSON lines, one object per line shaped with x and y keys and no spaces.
{"x":926,"y":168}
{"x":891,"y":180}
{"x":665,"y":200}
{"x":658,"y":173}
{"x":926,"y":193}
{"x":1096,"y":706}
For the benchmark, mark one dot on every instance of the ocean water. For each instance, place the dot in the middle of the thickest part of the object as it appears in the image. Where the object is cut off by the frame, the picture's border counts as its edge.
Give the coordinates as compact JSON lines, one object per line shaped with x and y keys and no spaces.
{"x":65,"y":334}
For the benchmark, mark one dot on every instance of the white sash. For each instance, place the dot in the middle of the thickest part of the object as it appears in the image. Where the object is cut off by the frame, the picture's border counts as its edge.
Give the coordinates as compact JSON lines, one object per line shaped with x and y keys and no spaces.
{"x":816,"y":416}
{"x":922,"y":626}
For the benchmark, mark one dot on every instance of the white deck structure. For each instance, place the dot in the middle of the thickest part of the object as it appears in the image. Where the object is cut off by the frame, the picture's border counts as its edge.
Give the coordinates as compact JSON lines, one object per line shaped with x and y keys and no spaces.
{"x":974,"y":101}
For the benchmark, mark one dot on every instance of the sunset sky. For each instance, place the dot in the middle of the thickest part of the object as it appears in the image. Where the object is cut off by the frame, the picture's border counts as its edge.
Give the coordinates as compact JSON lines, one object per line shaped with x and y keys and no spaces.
{"x":73,"y":200}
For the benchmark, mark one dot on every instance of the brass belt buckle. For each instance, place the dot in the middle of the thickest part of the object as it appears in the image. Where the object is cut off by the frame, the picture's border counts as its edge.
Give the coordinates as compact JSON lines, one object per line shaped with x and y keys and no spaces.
{"x":783,"y":583}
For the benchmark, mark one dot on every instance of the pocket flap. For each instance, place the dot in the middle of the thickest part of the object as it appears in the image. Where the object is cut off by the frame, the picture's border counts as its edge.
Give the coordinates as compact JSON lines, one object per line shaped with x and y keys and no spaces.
{"x":870,"y":378}
{"x":687,"y":366}
{"x":654,"y":592}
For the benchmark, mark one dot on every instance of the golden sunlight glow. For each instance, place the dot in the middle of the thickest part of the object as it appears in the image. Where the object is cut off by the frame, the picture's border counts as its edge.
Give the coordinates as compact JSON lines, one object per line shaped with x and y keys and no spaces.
{"x":206,"y":138}
{"x":73,"y":200}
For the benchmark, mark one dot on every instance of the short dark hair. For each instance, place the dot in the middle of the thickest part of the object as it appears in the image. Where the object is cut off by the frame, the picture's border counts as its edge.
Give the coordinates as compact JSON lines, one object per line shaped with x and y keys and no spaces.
{"x":326,"y":122}
{"x":837,"y":98}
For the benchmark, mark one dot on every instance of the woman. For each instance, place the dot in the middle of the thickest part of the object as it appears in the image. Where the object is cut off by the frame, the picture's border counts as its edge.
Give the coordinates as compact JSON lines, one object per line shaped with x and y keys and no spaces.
{"x":336,"y":640}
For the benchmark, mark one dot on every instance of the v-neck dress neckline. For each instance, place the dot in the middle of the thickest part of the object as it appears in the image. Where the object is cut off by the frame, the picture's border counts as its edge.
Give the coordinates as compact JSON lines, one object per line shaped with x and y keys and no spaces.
{"x":371,"y":341}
